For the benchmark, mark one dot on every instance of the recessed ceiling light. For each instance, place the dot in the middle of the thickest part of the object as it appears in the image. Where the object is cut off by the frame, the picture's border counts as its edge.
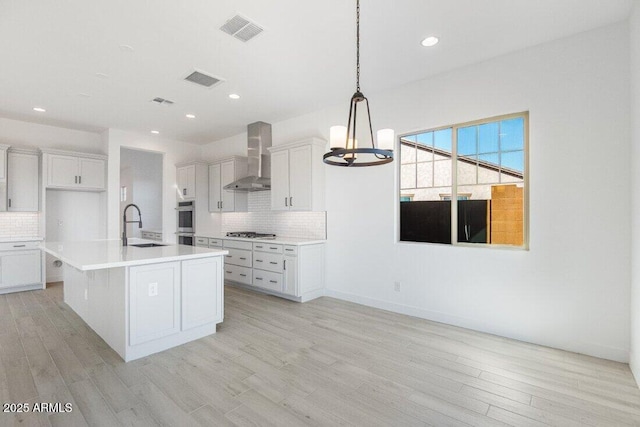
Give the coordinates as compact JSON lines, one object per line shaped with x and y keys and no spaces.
{"x":126,"y":48}
{"x":102,"y":75}
{"x":39,"y":109}
{"x":430,"y":41}
{"x":84,"y":95}
{"x":155,"y":132}
{"x":234,"y":96}
{"x":190,"y":116}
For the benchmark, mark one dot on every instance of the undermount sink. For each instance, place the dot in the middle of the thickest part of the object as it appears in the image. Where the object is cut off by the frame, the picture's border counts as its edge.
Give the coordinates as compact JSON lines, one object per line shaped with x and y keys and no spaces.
{"x":147,"y":245}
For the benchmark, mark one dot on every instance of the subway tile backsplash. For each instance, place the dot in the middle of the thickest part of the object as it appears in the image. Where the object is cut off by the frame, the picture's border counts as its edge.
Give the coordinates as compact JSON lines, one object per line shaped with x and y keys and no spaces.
{"x":260,"y":218}
{"x":19,"y":224}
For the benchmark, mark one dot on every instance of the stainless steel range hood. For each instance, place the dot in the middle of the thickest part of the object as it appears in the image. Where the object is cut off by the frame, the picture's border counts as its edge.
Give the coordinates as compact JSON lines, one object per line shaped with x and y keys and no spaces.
{"x":259,"y":163}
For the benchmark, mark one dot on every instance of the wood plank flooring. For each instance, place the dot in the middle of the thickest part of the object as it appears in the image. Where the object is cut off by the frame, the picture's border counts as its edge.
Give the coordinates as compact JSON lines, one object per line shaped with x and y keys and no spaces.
{"x":324,"y":363}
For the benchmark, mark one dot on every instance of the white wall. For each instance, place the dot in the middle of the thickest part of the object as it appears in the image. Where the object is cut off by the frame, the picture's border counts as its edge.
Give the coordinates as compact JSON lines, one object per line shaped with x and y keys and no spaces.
{"x":144,"y":170}
{"x":634,"y":37}
{"x":174,"y":152}
{"x":571,"y":289}
{"x":16,"y":132}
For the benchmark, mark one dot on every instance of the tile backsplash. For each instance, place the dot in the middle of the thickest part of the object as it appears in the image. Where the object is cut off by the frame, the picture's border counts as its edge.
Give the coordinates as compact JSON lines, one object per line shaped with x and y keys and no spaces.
{"x":19,"y":224}
{"x":260,"y":218}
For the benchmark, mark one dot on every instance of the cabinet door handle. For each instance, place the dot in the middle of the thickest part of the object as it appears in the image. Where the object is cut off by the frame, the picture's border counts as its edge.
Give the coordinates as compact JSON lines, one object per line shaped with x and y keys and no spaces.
{"x":273,"y":281}
{"x":291,"y":201}
{"x":79,"y":179}
{"x":273,"y":262}
{"x":75,"y":179}
{"x":284,"y":264}
{"x":9,"y":202}
{"x":184,"y":191}
{"x":221,"y":205}
{"x":285,"y":202}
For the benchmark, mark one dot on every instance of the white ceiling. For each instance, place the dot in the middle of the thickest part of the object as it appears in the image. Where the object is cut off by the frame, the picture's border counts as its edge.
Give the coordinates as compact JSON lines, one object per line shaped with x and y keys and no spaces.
{"x":50,"y":52}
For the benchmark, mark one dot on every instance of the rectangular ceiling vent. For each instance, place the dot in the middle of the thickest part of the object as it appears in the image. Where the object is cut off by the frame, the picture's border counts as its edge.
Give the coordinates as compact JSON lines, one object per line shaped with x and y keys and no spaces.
{"x":241,"y":28}
{"x":203,"y":79}
{"x":162,"y":101}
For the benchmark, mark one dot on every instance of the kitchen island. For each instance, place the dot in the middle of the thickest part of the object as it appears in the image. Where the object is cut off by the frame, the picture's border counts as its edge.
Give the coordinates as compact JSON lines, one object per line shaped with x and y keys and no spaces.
{"x":142,"y":300}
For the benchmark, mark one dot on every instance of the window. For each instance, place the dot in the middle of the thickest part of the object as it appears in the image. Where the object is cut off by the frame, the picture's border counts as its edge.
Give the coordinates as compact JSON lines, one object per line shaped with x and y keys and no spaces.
{"x":487,"y":181}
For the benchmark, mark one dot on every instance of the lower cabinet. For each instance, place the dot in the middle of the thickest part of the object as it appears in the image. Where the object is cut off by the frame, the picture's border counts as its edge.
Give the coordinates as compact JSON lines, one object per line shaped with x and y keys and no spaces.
{"x":172,"y":297}
{"x":154,"y":298}
{"x":20,"y":267}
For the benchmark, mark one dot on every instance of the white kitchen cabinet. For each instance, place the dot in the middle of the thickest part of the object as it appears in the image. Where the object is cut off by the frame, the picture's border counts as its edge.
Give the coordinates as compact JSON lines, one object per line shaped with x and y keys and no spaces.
{"x":154,"y":295}
{"x":297,"y":176}
{"x":3,"y":177}
{"x":201,"y":299}
{"x":224,"y":172}
{"x":186,"y":176}
{"x":20,"y":267}
{"x":75,"y":171}
{"x":23,"y":181}
{"x":290,"y":266}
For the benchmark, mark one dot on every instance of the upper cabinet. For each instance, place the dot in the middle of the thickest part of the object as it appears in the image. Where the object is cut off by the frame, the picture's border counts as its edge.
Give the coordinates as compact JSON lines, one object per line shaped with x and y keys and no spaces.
{"x":23,"y":186}
{"x":75,"y":171}
{"x":224,"y":172}
{"x":297,"y":176}
{"x":191,"y":181}
{"x":186,"y":177}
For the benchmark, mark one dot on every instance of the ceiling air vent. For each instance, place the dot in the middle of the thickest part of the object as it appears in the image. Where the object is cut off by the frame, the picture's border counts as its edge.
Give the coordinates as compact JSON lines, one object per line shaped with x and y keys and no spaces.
{"x":202,"y":79}
{"x":162,"y":101}
{"x":241,"y":28}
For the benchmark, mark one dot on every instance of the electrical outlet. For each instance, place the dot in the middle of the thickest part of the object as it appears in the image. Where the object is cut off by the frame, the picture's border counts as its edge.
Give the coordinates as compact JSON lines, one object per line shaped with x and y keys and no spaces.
{"x":60,"y":222}
{"x":153,"y":289}
{"x":396,"y":286}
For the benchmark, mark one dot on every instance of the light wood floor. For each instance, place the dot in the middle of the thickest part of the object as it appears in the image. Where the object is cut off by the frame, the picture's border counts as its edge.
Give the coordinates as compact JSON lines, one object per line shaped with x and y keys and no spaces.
{"x":326,"y":362}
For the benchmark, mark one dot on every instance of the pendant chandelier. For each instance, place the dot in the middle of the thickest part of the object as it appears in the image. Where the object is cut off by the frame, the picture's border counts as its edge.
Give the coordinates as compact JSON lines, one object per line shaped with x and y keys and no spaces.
{"x":343,"y":142}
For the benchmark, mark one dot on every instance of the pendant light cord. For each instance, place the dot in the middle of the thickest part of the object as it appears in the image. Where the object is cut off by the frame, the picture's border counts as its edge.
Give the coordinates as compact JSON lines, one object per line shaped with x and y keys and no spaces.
{"x":358,"y":45}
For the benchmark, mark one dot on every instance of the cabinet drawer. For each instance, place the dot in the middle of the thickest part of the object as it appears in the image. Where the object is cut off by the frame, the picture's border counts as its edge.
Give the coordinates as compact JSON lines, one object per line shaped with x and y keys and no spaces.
{"x":237,"y":244}
{"x":268,"y":261}
{"x":202,"y":241}
{"x":13,"y":246}
{"x":238,"y":257}
{"x":157,"y":236}
{"x":235,"y":273}
{"x":215,"y":243}
{"x":267,"y":247}
{"x":290,"y":250}
{"x":268,"y":280}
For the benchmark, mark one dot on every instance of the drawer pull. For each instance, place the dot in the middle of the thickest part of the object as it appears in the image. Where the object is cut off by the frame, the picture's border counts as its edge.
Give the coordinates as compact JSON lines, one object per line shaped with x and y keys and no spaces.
{"x":244,"y":259}
{"x":290,"y":250}
{"x":272,"y":248}
{"x":243,"y":275}
{"x":273,"y":262}
{"x":260,"y":247}
{"x":273,"y":281}
{"x":228,"y":256}
{"x":19,"y":246}
{"x":258,"y":278}
{"x":258,"y":260}
{"x":227,"y":271}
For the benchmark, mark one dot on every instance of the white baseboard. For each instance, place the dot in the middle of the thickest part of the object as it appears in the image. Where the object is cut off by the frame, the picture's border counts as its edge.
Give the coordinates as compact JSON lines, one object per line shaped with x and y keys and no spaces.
{"x":590,"y":349}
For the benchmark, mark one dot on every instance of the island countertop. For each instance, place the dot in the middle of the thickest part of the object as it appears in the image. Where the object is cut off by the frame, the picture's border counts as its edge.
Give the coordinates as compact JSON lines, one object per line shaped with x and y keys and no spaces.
{"x":103,"y":254}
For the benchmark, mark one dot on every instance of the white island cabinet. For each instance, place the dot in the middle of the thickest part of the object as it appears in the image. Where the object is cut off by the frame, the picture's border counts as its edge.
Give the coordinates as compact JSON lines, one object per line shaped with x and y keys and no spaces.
{"x":143,"y":300}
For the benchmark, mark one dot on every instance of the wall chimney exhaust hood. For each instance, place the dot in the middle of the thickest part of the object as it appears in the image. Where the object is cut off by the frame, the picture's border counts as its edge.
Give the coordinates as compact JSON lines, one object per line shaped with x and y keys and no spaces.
{"x":259,"y":160}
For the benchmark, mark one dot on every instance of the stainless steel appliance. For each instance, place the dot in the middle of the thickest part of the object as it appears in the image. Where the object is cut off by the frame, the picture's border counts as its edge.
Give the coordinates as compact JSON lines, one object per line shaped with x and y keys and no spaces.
{"x":251,"y":235}
{"x":186,"y":239}
{"x":186,"y":212}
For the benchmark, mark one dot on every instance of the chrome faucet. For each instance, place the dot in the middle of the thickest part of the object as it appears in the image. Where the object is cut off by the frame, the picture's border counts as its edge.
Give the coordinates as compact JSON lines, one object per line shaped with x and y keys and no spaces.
{"x":125,"y":222}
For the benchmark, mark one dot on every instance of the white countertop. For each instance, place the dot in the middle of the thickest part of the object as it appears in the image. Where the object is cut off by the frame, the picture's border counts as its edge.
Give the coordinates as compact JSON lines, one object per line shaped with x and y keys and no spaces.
{"x":103,"y":254}
{"x":279,"y":240}
{"x":20,"y":239}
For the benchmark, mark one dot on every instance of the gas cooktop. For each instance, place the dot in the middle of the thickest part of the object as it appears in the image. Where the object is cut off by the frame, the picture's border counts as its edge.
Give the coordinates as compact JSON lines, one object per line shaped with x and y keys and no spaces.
{"x":250,"y":235}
